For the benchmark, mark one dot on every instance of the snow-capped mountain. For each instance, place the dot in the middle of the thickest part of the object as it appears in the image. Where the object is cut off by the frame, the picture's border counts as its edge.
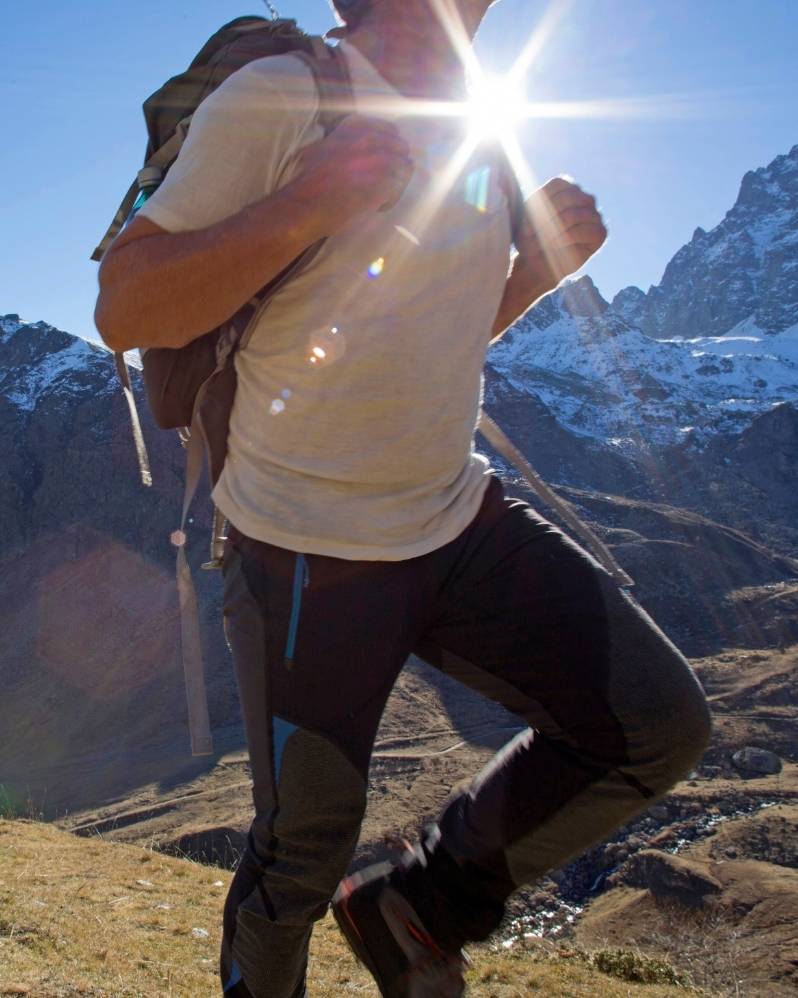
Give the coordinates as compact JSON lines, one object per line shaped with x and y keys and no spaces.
{"x":741,"y":276}
{"x":602,"y":377}
{"x":39,"y":360}
{"x":701,"y":354}
{"x":67,"y":446}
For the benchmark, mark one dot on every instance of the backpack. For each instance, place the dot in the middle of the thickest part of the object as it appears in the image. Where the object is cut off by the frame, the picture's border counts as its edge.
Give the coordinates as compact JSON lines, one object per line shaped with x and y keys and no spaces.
{"x":192,"y":388}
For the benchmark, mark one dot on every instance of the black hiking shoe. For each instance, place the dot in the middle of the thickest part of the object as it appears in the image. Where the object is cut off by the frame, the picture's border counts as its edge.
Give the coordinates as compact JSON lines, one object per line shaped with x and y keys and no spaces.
{"x":397,"y":924}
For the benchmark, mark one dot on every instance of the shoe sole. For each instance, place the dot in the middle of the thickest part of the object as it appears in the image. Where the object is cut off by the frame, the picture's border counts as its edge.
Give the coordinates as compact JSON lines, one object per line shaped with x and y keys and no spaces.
{"x":431,"y":974}
{"x":340,"y":910}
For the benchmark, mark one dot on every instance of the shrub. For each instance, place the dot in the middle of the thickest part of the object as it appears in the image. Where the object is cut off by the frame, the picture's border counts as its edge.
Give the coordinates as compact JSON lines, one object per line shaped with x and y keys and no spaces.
{"x":631,"y":966}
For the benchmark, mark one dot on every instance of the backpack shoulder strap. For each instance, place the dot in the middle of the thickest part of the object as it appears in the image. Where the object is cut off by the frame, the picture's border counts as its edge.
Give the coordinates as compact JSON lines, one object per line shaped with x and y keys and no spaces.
{"x":333,"y":83}
{"x":138,"y":436}
{"x":512,"y":191}
{"x":336,"y":98}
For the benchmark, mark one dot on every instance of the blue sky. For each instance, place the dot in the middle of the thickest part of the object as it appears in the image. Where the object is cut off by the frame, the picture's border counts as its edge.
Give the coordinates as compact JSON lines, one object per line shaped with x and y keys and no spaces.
{"x":720,"y":80}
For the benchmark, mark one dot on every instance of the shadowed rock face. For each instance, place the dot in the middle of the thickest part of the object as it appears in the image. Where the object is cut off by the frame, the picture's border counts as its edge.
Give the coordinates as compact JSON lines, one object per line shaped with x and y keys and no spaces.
{"x":89,"y":654}
{"x":70,"y":459}
{"x":672,"y":877}
{"x":767,"y":452}
{"x":700,"y":580}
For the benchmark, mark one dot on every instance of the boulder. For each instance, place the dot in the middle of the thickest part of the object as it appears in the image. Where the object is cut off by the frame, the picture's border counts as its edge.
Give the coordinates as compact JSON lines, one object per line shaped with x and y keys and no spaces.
{"x":757,"y":761}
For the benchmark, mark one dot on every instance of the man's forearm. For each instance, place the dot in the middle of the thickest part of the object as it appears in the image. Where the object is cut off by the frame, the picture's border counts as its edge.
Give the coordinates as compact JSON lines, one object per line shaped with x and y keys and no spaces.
{"x":165,"y":289}
{"x":525,"y":285}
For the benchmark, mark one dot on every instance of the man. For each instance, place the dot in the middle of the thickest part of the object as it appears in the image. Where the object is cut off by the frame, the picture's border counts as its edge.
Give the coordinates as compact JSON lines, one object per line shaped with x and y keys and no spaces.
{"x":363,"y":525}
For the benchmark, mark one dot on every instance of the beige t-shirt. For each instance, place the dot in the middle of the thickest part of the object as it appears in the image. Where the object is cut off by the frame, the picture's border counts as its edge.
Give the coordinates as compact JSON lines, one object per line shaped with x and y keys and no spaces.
{"x":358,"y":393}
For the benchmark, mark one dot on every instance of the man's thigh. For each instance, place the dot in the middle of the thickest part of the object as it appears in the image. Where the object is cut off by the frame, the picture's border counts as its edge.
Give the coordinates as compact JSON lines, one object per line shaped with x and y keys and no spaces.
{"x":317,"y":644}
{"x":532,"y":621}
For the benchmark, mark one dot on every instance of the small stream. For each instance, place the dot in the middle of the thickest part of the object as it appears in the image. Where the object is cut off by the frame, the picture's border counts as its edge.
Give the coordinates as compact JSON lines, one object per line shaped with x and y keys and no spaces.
{"x":706,"y":824}
{"x":554,"y":919}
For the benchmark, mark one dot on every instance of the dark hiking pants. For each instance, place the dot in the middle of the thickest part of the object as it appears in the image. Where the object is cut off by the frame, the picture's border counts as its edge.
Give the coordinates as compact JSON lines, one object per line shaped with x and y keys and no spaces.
{"x":511,"y":608}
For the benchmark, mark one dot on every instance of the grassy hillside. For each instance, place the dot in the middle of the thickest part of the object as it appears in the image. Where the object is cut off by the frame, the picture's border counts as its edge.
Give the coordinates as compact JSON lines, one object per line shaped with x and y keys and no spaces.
{"x":84,"y":917}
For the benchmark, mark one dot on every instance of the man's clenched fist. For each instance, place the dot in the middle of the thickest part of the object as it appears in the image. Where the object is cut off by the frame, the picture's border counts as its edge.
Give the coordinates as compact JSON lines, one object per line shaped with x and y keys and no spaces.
{"x":561,"y":229}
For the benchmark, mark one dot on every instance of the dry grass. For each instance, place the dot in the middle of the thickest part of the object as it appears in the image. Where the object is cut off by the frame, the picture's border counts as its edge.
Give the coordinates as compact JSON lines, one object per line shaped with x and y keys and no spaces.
{"x":84,"y":917}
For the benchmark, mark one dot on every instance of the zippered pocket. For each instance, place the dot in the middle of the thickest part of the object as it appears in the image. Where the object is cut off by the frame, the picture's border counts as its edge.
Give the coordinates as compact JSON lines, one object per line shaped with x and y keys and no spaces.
{"x":301,"y":582}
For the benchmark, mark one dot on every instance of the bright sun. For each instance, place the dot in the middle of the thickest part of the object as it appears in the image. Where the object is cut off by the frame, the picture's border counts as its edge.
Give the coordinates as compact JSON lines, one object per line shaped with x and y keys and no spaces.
{"x":496,"y":107}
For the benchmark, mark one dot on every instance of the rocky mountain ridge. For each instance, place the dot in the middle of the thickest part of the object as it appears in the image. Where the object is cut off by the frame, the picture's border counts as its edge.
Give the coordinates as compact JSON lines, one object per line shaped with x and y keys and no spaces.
{"x":604,"y":378}
{"x":701,"y":415}
{"x":740,"y":275}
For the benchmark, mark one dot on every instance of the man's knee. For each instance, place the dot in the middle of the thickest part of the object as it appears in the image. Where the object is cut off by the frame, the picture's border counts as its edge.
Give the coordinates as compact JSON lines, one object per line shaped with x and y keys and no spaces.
{"x":681,"y":737}
{"x":666,"y":715}
{"x":311,"y":834}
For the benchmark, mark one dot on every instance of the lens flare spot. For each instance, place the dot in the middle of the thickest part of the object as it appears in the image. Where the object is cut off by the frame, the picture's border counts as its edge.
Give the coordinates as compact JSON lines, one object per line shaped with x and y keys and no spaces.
{"x":325,"y":346}
{"x":276,"y":407}
{"x":408,"y":235}
{"x":286,"y":393}
{"x":477,"y":187}
{"x":376,"y":267}
{"x":178,"y":538}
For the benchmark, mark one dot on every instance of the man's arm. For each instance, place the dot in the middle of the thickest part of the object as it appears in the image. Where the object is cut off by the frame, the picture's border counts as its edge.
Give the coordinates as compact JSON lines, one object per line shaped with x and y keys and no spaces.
{"x":160,"y":288}
{"x":561,"y":229}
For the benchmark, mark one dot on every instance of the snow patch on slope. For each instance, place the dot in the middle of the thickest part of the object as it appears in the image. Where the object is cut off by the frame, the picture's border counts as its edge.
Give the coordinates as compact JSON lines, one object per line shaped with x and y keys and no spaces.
{"x":34,"y":381}
{"x":9,"y":324}
{"x":603,"y":378}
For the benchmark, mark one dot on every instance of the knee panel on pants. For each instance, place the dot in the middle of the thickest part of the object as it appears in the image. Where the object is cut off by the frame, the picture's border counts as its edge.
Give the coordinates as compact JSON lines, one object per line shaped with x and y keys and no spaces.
{"x":660,"y":702}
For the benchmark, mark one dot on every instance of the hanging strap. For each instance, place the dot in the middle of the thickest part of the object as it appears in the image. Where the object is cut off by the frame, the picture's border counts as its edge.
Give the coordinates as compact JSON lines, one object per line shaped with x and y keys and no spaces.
{"x":199,"y":725}
{"x":138,"y":436}
{"x":499,"y":440}
{"x":158,"y":161}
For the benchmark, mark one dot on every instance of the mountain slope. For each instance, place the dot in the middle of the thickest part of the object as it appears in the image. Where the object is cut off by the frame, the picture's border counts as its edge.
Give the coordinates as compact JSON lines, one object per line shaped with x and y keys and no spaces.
{"x":603,"y":378}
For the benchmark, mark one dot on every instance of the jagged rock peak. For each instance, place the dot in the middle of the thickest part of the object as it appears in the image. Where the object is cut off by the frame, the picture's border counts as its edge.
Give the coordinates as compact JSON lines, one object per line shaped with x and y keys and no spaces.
{"x":743,"y":272}
{"x":630,"y":304}
{"x":772,"y":184}
{"x":581,"y":297}
{"x":29,"y":342}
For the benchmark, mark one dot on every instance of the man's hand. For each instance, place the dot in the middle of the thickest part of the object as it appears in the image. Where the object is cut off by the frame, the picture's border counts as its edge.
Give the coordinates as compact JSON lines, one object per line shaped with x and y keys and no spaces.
{"x":362,"y":166}
{"x":561,"y":230}
{"x":160,"y":288}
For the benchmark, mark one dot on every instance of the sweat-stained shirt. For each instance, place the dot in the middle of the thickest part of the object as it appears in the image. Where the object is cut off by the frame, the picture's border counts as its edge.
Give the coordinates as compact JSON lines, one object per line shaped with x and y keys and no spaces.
{"x":353,"y":425}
